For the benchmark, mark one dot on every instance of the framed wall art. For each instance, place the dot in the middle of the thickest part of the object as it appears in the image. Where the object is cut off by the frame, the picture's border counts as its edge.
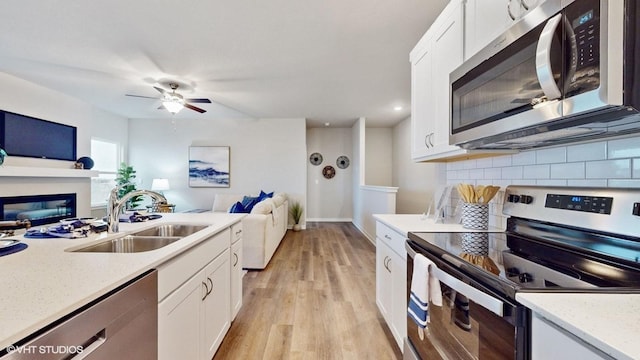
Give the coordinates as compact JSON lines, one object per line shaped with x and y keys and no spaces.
{"x":209,"y":166}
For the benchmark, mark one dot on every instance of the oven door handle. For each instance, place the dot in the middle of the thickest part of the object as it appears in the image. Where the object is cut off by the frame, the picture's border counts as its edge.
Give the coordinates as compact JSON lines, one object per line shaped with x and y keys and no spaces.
{"x":488,"y":302}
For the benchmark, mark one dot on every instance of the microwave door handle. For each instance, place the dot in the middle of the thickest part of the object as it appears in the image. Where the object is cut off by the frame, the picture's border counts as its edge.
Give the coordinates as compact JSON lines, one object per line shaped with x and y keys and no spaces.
{"x":543,"y":59}
{"x":488,"y":302}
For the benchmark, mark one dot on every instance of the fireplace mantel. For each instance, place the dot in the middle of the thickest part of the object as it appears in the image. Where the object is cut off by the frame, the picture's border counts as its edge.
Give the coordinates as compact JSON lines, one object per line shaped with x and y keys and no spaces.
{"x":26,"y":171}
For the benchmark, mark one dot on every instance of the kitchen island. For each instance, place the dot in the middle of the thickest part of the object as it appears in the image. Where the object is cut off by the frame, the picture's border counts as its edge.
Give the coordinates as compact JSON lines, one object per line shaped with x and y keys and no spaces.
{"x":46,"y":281}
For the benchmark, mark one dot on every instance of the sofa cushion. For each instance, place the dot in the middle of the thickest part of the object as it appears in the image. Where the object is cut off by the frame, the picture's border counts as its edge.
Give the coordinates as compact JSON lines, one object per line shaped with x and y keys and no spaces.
{"x":237,"y":208}
{"x":223,"y":202}
{"x":279,"y":198}
{"x":263,"y":207}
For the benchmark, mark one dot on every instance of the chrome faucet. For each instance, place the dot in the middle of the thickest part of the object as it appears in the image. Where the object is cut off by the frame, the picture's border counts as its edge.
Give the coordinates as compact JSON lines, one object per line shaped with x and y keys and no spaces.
{"x":115,"y":205}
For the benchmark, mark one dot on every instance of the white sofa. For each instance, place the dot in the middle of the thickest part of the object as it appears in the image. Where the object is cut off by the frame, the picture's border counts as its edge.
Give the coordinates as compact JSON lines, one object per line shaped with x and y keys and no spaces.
{"x":262,"y":229}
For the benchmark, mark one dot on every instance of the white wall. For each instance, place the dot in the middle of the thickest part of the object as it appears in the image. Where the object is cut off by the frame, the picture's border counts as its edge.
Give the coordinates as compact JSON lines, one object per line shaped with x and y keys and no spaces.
{"x":416,"y":182}
{"x":358,"y":164}
{"x":23,"y":97}
{"x":329,"y":199}
{"x":379,"y":156}
{"x":266,"y":154}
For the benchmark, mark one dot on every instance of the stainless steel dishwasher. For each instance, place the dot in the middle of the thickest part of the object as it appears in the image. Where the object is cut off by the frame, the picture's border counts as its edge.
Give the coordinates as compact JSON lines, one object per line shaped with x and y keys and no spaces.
{"x":122,"y":324}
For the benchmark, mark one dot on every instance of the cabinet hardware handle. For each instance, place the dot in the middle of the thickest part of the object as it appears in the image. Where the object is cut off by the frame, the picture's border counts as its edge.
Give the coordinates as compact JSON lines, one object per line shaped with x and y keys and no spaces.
{"x":207,"y":291}
{"x":236,"y":259}
{"x":210,"y":281}
{"x":426,"y":140}
{"x":239,"y":232}
{"x":509,"y":10}
{"x":388,"y":266}
{"x":387,"y":237}
{"x":524,"y":5}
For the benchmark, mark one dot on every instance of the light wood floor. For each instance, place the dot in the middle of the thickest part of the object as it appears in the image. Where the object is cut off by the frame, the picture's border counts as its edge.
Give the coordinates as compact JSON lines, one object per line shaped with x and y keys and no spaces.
{"x":315,"y":300}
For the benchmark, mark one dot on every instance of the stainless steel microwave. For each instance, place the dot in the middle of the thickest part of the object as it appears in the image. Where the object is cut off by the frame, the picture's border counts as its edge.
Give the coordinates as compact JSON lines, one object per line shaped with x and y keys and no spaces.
{"x":567,"y":71}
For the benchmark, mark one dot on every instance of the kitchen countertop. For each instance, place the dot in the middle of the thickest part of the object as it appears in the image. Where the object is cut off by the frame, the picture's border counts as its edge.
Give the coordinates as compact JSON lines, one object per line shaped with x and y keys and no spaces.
{"x":44,"y":282}
{"x":609,"y":322}
{"x":405,"y":223}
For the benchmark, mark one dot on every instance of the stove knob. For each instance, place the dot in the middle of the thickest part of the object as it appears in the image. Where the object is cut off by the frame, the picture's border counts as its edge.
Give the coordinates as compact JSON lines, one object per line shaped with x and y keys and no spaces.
{"x":513,"y":198}
{"x":525,"y":277}
{"x":526,"y":199}
{"x":512,"y":271}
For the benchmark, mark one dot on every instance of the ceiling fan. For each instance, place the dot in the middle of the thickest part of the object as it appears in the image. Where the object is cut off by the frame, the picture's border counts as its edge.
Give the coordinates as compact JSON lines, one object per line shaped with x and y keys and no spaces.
{"x":173,"y":101}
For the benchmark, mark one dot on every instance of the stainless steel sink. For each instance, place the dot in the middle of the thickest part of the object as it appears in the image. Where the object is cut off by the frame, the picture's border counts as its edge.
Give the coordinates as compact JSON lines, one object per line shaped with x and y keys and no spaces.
{"x":180,"y":230}
{"x":145,"y":240}
{"x":131,"y":244}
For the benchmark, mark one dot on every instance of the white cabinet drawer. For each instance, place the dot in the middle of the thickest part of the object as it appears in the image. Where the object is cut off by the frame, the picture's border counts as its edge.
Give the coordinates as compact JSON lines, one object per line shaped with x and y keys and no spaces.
{"x":392,"y":238}
{"x":236,"y":232}
{"x":179,"y":269}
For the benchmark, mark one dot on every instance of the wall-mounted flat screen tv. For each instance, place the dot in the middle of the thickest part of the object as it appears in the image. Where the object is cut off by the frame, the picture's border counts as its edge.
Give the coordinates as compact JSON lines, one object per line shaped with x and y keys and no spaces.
{"x":22,"y":135}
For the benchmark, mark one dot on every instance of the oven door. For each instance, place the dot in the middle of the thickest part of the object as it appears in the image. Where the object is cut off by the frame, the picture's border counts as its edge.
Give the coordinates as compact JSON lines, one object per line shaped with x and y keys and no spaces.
{"x":471,"y":324}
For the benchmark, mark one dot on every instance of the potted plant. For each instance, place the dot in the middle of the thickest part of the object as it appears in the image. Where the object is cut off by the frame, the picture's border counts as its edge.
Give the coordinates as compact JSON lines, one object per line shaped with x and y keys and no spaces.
{"x":125,"y":179}
{"x":296,"y":214}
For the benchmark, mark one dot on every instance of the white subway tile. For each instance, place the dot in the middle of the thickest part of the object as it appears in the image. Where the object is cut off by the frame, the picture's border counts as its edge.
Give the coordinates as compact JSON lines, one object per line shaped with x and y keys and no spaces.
{"x":523,"y":182}
{"x":624,"y":148}
{"x":524,"y":158}
{"x":500,"y":161}
{"x":493,"y":173}
{"x":484,"y":163}
{"x":626,"y":183}
{"x":536,"y":172}
{"x":550,"y":156}
{"x":476,"y":174}
{"x":463,"y":174}
{"x":512,"y":172}
{"x":587,"y":183}
{"x":568,"y":171}
{"x":469,"y":164}
{"x":548,"y":182}
{"x":586,"y":152}
{"x":608,"y":169}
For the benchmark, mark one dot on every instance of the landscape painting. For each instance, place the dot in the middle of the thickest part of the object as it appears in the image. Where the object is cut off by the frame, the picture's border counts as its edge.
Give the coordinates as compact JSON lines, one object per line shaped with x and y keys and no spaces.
{"x":209,"y":166}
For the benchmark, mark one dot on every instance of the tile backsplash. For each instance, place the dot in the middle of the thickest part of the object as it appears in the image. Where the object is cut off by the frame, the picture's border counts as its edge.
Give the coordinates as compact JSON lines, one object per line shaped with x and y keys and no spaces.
{"x":612,"y":163}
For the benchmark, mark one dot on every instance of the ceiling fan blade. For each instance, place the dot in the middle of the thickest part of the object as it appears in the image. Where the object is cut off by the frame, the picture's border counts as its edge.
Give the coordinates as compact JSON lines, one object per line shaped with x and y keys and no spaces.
{"x":207,"y":101}
{"x":188,"y":106}
{"x":140,"y":96}
{"x":161,"y":90}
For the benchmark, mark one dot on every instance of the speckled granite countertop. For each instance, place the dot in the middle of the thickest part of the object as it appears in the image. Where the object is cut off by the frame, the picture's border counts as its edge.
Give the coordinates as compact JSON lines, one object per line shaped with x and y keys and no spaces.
{"x":609,"y":322}
{"x":44,"y":282}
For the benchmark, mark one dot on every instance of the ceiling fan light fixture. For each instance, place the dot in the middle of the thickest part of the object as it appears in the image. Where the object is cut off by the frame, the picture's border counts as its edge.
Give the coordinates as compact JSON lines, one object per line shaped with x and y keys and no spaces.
{"x":172,"y":106}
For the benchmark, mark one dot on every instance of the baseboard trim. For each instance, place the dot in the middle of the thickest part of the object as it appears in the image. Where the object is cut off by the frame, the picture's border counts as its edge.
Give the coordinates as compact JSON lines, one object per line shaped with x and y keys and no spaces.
{"x":330,"y":220}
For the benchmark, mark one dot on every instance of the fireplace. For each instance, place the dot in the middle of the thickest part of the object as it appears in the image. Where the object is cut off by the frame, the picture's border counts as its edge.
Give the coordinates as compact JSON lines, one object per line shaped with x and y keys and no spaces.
{"x":38,"y":209}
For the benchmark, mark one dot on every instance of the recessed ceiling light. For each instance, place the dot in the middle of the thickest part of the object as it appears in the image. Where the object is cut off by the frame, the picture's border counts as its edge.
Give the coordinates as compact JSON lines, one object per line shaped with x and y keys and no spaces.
{"x":397,"y":108}
{"x":327,"y":124}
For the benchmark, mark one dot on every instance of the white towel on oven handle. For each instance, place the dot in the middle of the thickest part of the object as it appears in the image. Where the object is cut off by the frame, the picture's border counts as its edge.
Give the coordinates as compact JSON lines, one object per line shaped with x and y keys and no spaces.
{"x":425,"y":287}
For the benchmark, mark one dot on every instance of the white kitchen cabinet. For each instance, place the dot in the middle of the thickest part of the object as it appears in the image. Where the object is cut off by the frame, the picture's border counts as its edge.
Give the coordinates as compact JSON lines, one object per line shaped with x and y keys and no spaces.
{"x":485,"y":20}
{"x":548,"y":341}
{"x":194,"y":294}
{"x":391,"y":280}
{"x":236,"y":270}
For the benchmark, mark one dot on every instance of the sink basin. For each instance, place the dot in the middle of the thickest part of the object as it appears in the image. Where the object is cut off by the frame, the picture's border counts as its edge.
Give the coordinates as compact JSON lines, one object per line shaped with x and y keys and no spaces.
{"x":170,"y":230}
{"x":130,"y":244}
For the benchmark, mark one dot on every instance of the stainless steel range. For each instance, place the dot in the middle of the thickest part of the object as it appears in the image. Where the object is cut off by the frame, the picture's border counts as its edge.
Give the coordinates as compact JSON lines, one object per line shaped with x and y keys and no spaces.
{"x":558,"y":239}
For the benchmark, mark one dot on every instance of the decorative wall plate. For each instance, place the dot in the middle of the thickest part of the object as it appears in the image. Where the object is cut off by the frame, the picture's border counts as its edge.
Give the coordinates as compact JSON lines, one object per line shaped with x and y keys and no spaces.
{"x":342,"y":162}
{"x":315,"y":159}
{"x":329,"y":172}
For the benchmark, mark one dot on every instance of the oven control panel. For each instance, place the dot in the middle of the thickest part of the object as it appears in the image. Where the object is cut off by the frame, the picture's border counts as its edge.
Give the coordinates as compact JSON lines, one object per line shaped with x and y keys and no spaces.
{"x":614,"y":210}
{"x":595,"y":204}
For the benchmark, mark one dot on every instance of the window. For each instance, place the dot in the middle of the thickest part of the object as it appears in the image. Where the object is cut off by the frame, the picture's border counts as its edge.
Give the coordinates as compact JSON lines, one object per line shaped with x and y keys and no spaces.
{"x":106,"y":156}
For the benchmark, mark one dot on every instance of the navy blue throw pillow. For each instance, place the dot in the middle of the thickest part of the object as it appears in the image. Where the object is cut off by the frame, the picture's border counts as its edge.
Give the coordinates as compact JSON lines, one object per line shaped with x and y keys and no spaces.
{"x":237,"y":208}
{"x":263,"y":195}
{"x":248,"y":202}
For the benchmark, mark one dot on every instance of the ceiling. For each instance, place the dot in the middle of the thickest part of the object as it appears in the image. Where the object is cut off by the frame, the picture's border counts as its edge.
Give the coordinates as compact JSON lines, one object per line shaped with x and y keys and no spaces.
{"x":328,"y":61}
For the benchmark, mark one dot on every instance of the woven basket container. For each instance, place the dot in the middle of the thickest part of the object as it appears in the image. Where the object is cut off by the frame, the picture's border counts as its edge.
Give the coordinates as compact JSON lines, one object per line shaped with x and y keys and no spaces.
{"x":475,"y":216}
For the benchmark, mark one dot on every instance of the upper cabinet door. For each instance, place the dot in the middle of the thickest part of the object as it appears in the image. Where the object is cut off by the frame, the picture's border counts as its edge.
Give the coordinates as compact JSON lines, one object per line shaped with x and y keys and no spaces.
{"x":485,"y":20}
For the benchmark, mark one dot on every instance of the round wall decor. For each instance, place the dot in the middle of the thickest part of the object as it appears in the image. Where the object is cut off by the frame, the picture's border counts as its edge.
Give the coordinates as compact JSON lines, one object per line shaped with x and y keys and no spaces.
{"x":315,"y":159}
{"x":342,"y":162}
{"x":329,"y":172}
